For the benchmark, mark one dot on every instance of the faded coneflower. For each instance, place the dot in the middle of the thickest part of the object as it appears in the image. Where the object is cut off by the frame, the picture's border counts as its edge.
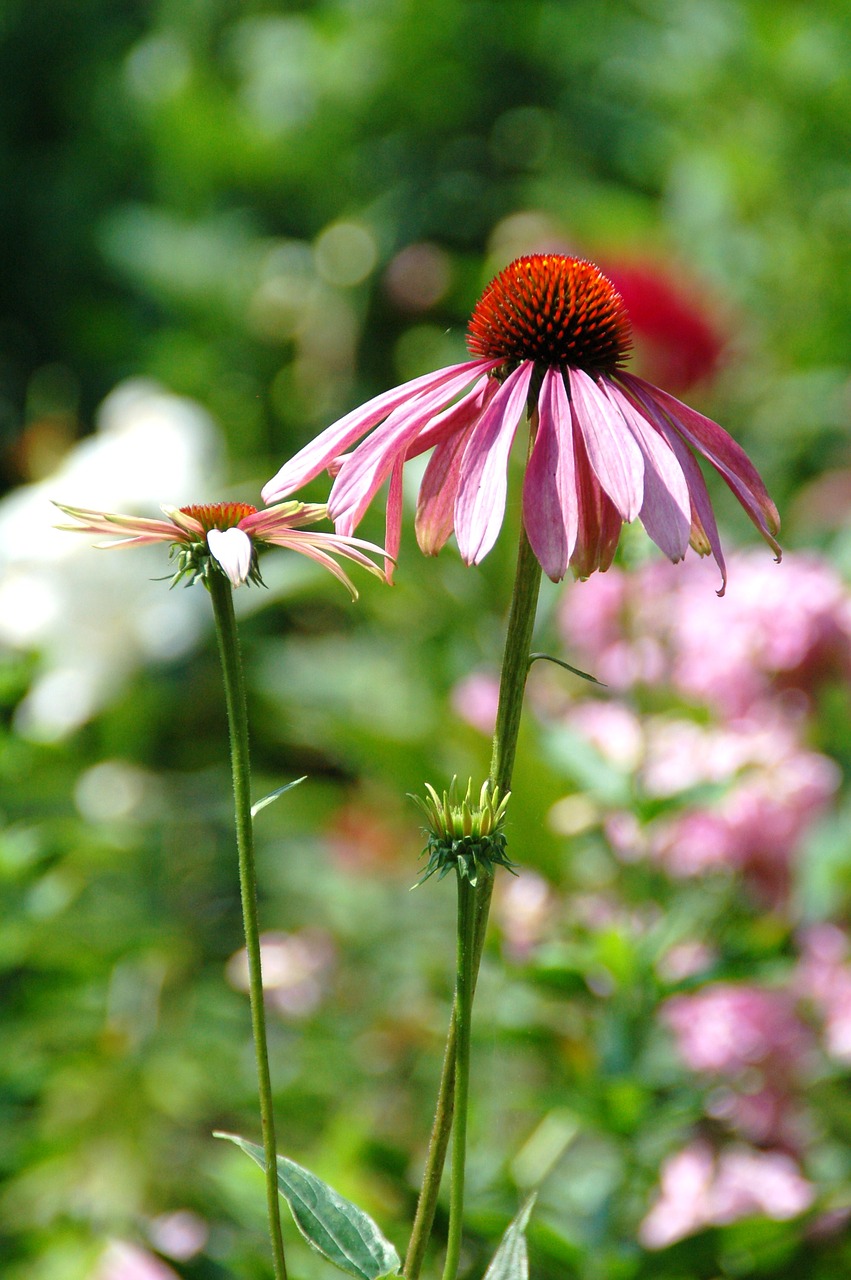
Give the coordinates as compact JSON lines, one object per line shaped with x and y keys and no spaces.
{"x":549,"y":337}
{"x":228,"y":535}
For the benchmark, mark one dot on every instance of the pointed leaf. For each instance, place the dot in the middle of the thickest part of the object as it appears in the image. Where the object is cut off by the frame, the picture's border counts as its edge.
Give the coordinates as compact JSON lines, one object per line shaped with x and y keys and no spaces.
{"x":511,"y":1260}
{"x":275,"y":795}
{"x":330,"y":1224}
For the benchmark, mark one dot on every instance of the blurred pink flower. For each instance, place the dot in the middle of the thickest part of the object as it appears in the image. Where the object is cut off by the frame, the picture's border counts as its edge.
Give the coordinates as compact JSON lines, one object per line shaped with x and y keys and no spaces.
{"x":613,"y":729}
{"x":524,"y":906}
{"x":699,"y":1189}
{"x":229,"y":535}
{"x":752,"y":1040}
{"x":778,"y":792}
{"x":123,"y":1261}
{"x":725,"y":1029}
{"x":772,"y":634}
{"x":549,"y":336}
{"x":774,"y":791}
{"x":475,"y":699}
{"x":686,"y":960}
{"x":181,"y":1234}
{"x":824,"y":978}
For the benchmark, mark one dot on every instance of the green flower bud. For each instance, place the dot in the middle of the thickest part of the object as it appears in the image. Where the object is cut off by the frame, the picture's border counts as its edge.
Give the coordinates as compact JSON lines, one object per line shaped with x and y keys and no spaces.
{"x":465,"y":835}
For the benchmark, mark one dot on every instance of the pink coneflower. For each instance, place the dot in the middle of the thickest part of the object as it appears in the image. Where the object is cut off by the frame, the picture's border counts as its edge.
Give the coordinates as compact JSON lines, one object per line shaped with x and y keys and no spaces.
{"x":549,"y":337}
{"x":227,"y":536}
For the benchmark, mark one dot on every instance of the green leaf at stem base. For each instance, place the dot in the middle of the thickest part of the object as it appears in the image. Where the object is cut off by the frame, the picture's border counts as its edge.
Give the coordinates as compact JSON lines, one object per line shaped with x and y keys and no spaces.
{"x":330,"y":1224}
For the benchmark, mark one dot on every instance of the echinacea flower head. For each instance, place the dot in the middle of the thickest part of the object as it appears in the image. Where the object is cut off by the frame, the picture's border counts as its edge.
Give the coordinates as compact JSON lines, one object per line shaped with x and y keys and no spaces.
{"x":225,"y":537}
{"x":549,"y":338}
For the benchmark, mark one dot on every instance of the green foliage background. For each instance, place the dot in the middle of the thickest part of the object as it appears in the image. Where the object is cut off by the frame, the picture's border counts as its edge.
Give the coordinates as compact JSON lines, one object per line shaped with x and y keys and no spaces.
{"x":174,"y":178}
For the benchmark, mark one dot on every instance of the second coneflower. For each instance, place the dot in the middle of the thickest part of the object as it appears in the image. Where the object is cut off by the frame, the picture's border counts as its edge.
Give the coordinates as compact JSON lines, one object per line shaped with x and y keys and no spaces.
{"x":549,"y":337}
{"x":226,"y":536}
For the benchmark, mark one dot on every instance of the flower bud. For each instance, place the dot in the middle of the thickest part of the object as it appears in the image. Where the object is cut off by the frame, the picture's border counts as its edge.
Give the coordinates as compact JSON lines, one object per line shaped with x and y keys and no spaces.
{"x":464,"y":834}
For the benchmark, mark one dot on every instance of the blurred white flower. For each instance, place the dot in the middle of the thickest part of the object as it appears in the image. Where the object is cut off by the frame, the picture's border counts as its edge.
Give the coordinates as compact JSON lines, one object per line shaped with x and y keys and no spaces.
{"x":91,"y":622}
{"x":296,"y":970}
{"x":181,"y":1234}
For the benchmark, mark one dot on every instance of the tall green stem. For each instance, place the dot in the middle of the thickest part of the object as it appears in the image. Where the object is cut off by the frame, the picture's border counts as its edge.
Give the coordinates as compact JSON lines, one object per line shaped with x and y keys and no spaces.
{"x":222,"y":597}
{"x":463,"y":1023}
{"x":512,"y":687}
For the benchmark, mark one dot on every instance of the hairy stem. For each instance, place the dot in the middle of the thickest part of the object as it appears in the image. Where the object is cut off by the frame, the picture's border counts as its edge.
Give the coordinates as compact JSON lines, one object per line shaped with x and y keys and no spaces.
{"x":234,"y":683}
{"x":462,"y":1022}
{"x":512,"y":687}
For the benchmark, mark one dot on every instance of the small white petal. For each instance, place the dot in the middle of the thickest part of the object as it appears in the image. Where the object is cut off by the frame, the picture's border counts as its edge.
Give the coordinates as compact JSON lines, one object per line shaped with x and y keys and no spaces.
{"x":231,"y":548}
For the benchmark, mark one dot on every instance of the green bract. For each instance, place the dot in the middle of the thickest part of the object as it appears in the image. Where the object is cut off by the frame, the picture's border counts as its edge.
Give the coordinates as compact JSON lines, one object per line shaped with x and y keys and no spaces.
{"x":195,"y":563}
{"x":464,"y":835}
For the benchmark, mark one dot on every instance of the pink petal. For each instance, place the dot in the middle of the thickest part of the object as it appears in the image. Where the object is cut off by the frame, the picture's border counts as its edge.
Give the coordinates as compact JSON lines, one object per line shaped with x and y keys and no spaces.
{"x":139,"y":529}
{"x":363,"y":473}
{"x":322,"y":547}
{"x":285,"y":515}
{"x":438,"y":490}
{"x":458,"y":417}
{"x":666,"y":510}
{"x":599,"y":522}
{"x":550,"y":509}
{"x":480,"y":504}
{"x":335,"y":439}
{"x":612,"y":452}
{"x":704,"y":530}
{"x":720,"y":449}
{"x":393,"y":520}
{"x":231,"y":548}
{"x":311,"y":548}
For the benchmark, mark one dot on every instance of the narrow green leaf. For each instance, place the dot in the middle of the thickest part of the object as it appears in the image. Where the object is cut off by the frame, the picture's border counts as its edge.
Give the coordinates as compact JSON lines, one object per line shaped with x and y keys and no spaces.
{"x":511,"y":1260}
{"x":330,"y":1224}
{"x":559,"y":662}
{"x":274,"y":795}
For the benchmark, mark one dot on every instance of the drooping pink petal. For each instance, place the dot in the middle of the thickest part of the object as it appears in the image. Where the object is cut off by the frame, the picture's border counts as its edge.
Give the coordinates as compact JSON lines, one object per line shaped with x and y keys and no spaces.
{"x":480,"y":504}
{"x":353,"y":548}
{"x":550,"y":509}
{"x":364,"y":472}
{"x":438,"y":490}
{"x":720,"y":449}
{"x":614,"y":456}
{"x":393,"y":519}
{"x":317,"y":553}
{"x":232,"y":550}
{"x":322,"y":546}
{"x":456,"y":418}
{"x":666,"y":510}
{"x":334,"y":440}
{"x":140,"y":530}
{"x":599,"y":522}
{"x":704,"y":535}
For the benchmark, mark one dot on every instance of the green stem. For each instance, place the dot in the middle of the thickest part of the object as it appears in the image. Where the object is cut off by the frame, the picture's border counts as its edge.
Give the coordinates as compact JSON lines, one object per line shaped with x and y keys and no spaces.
{"x":222,"y":597}
{"x":462,"y":1023}
{"x":515,"y":664}
{"x":512,"y":687}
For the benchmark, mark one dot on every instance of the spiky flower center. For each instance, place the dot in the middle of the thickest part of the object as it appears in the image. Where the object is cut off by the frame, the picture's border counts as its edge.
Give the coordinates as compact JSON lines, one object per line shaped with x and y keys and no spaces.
{"x":219,"y":515}
{"x":553,"y":310}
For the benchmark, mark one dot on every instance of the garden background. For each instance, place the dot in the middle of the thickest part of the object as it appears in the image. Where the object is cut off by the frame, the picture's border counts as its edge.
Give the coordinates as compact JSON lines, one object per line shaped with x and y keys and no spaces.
{"x":223,"y":223}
